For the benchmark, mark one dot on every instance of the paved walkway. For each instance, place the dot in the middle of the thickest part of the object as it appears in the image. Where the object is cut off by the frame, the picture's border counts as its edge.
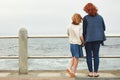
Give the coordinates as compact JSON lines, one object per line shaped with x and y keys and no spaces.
{"x":58,"y":75}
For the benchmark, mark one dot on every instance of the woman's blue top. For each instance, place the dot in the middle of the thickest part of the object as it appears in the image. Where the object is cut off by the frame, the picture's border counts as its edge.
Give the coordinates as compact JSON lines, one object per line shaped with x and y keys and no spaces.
{"x":93,"y":28}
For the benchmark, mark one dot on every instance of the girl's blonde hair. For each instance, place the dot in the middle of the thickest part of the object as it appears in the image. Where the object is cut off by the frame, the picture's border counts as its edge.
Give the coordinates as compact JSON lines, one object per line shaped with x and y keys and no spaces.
{"x":76,"y":19}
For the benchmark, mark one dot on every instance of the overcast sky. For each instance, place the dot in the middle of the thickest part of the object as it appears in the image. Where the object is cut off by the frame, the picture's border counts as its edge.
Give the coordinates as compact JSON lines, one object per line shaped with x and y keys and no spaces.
{"x":51,"y":17}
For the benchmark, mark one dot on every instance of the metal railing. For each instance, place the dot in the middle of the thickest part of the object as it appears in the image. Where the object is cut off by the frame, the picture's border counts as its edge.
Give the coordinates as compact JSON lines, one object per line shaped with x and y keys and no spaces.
{"x":23,"y":50}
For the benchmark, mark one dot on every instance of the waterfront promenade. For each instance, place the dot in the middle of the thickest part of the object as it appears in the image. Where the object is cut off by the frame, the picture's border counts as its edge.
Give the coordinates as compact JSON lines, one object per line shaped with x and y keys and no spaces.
{"x":58,"y":75}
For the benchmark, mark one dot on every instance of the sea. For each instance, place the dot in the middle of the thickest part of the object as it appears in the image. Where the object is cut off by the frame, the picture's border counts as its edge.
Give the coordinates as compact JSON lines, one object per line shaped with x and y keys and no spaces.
{"x":55,"y":47}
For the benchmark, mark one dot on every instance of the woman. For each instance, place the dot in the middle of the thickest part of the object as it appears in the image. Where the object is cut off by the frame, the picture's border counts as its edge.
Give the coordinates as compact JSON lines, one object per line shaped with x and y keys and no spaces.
{"x":93,"y":33}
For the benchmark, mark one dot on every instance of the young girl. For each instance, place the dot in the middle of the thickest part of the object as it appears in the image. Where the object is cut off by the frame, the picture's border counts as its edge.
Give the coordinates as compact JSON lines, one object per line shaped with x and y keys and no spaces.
{"x":76,"y":42}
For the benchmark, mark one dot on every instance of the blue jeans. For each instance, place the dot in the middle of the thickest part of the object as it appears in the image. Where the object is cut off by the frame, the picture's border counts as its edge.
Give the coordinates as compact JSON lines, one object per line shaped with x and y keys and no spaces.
{"x":92,"y":50}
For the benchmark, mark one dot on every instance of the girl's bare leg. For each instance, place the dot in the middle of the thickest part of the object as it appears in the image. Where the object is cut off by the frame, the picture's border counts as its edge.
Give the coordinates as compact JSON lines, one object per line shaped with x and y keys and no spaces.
{"x":71,"y":63}
{"x":75,"y":64}
{"x":70,"y":69}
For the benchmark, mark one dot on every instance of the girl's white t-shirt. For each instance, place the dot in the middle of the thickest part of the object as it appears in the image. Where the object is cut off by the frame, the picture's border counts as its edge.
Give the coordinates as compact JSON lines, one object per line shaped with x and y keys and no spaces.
{"x":74,"y":32}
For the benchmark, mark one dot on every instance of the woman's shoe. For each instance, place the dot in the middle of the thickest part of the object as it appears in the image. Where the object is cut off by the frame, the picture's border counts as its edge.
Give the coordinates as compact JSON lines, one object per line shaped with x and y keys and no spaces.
{"x":70,"y":73}
{"x":90,"y":74}
{"x":96,"y":75}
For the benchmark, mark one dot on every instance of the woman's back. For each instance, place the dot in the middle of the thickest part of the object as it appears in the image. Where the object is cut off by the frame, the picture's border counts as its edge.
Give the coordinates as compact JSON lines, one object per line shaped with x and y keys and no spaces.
{"x":93,"y":28}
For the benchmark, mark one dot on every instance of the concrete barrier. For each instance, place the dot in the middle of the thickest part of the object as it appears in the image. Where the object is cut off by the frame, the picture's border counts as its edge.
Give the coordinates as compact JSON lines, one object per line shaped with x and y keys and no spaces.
{"x":23,"y":51}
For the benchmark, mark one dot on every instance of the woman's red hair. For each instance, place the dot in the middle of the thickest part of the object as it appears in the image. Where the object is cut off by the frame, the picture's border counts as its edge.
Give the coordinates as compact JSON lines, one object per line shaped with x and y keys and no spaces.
{"x":90,"y":9}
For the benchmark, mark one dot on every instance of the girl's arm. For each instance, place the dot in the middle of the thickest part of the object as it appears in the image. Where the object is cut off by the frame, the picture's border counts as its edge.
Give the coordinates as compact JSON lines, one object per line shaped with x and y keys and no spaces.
{"x":82,"y":40}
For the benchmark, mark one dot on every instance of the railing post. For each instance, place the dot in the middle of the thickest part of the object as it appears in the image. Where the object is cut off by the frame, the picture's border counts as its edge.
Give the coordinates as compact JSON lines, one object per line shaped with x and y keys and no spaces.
{"x":23,"y":55}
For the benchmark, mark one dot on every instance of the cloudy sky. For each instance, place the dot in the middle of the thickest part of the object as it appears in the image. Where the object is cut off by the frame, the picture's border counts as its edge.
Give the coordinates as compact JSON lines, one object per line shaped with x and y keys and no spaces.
{"x":51,"y":17}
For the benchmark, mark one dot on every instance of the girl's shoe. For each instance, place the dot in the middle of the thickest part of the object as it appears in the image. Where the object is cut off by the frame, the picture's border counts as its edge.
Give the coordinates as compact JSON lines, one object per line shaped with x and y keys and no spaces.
{"x":70,"y":73}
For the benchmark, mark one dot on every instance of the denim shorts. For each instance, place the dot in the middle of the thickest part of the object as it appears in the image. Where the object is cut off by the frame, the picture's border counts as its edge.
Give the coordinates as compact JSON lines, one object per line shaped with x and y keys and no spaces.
{"x":76,"y":50}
